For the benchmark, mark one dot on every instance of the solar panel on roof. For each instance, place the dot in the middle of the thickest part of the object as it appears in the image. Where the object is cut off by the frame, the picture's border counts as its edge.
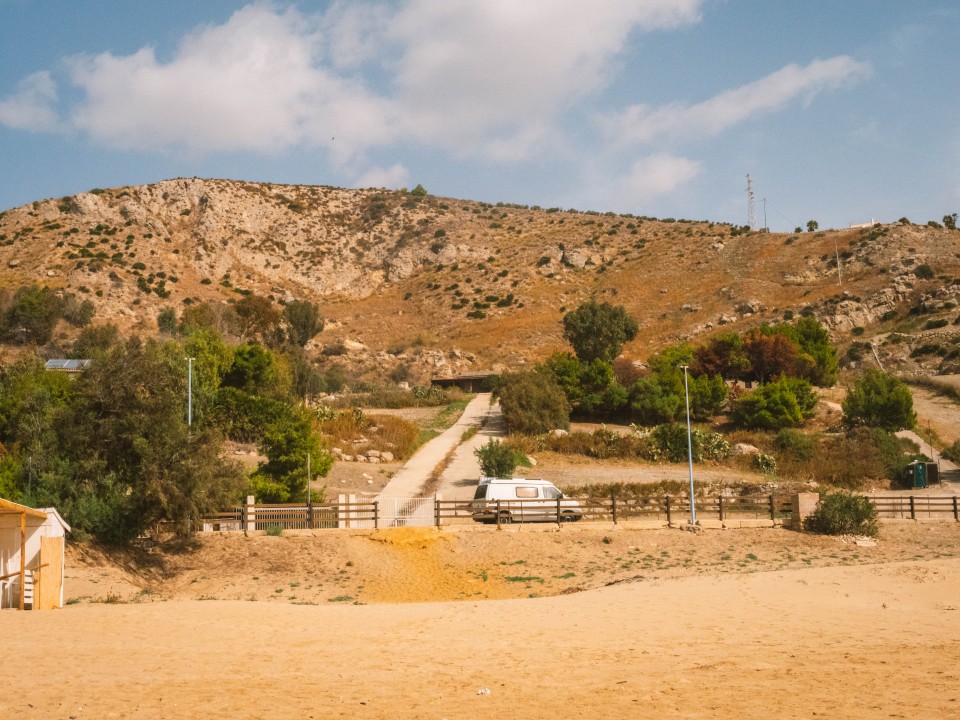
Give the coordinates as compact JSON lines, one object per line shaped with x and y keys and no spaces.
{"x":67,"y":365}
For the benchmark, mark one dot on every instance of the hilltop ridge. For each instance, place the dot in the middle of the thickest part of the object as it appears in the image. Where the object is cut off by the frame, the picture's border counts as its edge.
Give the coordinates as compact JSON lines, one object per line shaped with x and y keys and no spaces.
{"x":483,"y":285}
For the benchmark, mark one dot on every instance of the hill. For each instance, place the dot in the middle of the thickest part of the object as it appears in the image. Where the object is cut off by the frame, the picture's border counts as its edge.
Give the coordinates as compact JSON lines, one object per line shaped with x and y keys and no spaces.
{"x":442,"y":285}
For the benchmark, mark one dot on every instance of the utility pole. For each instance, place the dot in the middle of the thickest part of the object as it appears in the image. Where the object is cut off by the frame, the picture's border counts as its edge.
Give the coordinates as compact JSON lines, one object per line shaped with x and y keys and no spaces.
{"x":751,"y":208}
{"x":686,"y":394}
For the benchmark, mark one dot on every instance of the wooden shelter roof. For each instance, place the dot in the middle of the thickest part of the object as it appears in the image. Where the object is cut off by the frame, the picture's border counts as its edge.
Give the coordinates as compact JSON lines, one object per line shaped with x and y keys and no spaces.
{"x":12,"y":508}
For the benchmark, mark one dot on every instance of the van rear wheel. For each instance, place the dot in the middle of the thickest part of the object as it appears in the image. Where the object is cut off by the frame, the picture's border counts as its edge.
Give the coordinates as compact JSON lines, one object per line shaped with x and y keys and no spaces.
{"x":506,"y":518}
{"x":568,"y":516}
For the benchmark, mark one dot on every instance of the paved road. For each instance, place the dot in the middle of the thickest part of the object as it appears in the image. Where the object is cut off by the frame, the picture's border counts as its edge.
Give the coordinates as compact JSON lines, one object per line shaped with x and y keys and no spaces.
{"x":410,"y":480}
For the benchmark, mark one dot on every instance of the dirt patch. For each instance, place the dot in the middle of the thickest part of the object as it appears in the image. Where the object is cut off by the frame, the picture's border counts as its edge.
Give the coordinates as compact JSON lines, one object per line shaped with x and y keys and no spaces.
{"x":471,"y":562}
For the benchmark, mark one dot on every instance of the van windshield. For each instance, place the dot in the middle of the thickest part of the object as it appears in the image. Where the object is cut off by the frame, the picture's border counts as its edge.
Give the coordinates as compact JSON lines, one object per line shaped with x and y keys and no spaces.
{"x":481,"y":492}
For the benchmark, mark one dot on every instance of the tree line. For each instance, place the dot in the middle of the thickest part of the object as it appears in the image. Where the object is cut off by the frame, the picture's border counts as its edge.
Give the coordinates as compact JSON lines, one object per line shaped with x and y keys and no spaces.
{"x":786,"y":361}
{"x":112,"y":448}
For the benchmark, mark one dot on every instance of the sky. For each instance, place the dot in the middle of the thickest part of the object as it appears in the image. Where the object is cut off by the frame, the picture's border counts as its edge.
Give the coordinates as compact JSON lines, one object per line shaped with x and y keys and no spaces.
{"x":841,"y":111}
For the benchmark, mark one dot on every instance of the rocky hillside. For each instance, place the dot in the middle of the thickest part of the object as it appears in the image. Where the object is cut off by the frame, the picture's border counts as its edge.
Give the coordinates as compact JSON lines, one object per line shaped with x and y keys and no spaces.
{"x":449,"y":285}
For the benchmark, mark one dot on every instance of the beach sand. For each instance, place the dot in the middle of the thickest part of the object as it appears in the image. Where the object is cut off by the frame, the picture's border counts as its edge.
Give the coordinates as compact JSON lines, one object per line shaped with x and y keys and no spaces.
{"x":867,"y":637}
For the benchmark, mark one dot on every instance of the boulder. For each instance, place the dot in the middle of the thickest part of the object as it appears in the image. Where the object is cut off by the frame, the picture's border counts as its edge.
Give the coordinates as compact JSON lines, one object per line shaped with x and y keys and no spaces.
{"x":744,"y":449}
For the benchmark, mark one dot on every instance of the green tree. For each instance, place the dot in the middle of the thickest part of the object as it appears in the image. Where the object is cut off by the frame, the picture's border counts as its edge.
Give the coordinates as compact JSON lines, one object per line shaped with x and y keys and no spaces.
{"x":879,"y":400}
{"x":32,"y":315}
{"x":132,"y":461}
{"x":708,"y":395}
{"x":167,"y":321}
{"x":31,"y":400}
{"x":722,"y":355}
{"x":812,"y":226}
{"x":950,"y":221}
{"x":566,"y":371}
{"x":651,"y":403}
{"x":532,"y":403}
{"x":287,"y":441}
{"x":303,"y":321}
{"x":258,"y":318}
{"x":598,"y":331}
{"x":258,"y":371}
{"x":784,"y":403}
{"x":496,"y":459}
{"x":94,"y":340}
{"x":814,"y":343}
{"x":599,"y":391}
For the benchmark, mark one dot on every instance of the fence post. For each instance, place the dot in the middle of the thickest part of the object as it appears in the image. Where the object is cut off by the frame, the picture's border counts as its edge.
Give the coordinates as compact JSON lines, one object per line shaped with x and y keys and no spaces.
{"x":310,"y":515}
{"x":613,"y":507}
{"x":376,"y":514}
{"x":956,"y":514}
{"x":251,"y":514}
{"x":558,"y":511}
{"x":720,"y":504}
{"x":436,"y":508}
{"x":773,"y":508}
{"x":913,"y":509}
{"x":498,"y":514}
{"x":669,"y":521}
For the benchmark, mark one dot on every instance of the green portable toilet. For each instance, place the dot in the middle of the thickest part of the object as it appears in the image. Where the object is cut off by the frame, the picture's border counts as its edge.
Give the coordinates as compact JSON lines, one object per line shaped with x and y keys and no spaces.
{"x":918,"y":471}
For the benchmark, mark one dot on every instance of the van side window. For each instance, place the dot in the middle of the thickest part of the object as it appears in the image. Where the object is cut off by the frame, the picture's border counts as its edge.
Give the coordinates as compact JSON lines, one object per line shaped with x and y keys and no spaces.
{"x":526,"y":492}
{"x":552,"y":493}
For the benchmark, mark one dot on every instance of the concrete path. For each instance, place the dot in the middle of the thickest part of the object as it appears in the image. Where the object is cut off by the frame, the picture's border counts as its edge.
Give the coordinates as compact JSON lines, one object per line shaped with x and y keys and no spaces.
{"x":928,"y":450}
{"x":459,"y":480}
{"x":409,"y":481}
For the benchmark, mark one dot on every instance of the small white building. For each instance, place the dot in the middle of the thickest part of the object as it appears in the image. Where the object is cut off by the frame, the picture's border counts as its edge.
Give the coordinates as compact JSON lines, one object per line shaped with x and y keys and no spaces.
{"x":32,"y":547}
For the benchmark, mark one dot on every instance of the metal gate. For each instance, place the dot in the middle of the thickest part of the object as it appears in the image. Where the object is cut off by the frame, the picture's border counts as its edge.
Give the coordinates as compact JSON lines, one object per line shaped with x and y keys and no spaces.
{"x":406,"y":512}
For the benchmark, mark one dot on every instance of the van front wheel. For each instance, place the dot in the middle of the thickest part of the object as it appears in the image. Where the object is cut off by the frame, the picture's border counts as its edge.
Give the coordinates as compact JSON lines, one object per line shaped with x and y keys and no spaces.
{"x":506,"y":518}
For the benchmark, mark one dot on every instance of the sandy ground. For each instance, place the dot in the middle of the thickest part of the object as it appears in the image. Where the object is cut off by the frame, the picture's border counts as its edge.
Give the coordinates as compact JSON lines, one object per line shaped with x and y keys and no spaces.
{"x":628,"y":624}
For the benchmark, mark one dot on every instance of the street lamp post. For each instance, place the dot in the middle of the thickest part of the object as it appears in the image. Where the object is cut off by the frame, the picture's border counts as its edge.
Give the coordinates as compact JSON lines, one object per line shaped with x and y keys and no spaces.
{"x":686,"y":394}
{"x":189,"y":392}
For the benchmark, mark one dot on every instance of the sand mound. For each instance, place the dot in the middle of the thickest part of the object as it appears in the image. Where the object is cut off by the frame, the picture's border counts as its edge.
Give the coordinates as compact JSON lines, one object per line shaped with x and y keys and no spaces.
{"x":408,"y":536}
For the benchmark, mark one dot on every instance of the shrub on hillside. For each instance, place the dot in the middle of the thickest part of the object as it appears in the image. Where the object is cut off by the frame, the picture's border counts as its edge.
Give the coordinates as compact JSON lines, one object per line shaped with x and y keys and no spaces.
{"x":784,"y":403}
{"x":879,"y":400}
{"x":532,"y":403}
{"x":671,"y":442}
{"x":952,"y":452}
{"x":848,"y":461}
{"x":843,"y":513}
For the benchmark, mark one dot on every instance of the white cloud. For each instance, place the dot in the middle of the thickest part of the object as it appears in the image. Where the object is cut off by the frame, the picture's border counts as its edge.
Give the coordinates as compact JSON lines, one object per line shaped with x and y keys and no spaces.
{"x":653,"y":176}
{"x":641,"y":124}
{"x":394,"y":177}
{"x":477,"y":77}
{"x":483,"y":79}
{"x":250,"y":84}
{"x":32,"y":106}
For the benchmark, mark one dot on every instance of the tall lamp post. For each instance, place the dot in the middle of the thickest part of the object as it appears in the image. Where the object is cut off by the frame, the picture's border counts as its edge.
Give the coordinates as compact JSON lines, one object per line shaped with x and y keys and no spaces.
{"x":189,"y":392}
{"x":686,"y":394}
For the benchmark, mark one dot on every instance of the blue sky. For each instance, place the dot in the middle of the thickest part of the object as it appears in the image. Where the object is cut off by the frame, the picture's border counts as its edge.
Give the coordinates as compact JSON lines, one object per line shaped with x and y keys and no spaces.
{"x":842,"y":111}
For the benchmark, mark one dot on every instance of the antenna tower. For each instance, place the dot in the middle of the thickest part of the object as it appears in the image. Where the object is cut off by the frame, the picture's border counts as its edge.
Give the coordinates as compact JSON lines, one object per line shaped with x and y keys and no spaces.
{"x":751,"y":207}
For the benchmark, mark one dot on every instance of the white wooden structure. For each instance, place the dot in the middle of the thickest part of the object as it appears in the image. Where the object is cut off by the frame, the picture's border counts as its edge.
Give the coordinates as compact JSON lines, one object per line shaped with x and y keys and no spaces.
{"x":31,"y":557}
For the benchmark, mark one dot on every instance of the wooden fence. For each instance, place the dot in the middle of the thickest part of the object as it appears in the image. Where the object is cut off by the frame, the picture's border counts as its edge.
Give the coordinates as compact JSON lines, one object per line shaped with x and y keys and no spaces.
{"x":373,"y":514}
{"x":665,"y":508}
{"x":917,"y":507}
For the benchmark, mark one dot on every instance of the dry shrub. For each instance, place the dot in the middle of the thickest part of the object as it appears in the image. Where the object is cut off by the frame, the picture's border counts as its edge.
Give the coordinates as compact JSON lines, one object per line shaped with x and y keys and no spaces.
{"x":395,"y":434}
{"x":360,"y":432}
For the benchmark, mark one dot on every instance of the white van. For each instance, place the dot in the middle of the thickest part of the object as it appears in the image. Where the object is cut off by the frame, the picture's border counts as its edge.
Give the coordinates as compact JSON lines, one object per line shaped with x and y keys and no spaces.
{"x":522,"y":500}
